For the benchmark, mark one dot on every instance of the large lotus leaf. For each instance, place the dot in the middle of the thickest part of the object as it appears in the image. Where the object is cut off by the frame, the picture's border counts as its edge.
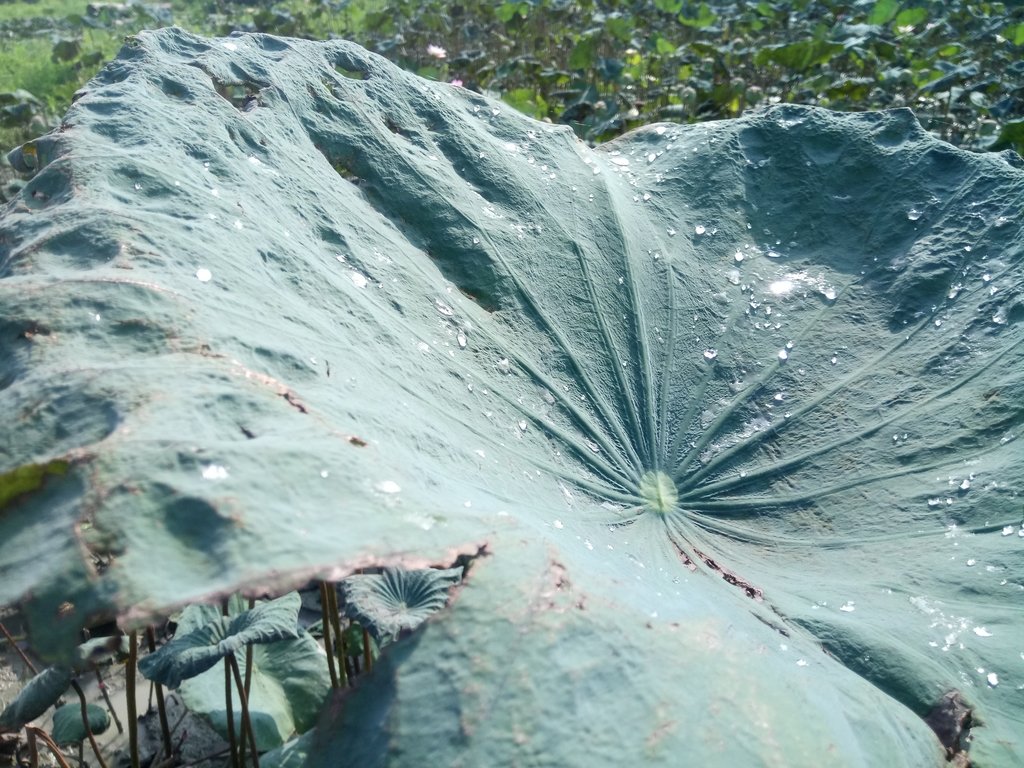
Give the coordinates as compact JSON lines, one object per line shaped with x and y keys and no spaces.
{"x":38,"y":695}
{"x":729,"y":412}
{"x":204,"y":637}
{"x":396,"y":601}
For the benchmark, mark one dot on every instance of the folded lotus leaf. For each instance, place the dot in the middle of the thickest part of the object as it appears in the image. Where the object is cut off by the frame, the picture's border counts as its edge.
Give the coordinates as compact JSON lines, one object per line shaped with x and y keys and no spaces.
{"x":204,"y":637}
{"x":396,"y":601}
{"x":38,"y":695}
{"x":727,"y":417}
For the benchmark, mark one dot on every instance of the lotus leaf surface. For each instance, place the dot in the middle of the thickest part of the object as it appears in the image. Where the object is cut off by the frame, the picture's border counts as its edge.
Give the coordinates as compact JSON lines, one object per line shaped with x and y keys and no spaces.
{"x":724,"y":418}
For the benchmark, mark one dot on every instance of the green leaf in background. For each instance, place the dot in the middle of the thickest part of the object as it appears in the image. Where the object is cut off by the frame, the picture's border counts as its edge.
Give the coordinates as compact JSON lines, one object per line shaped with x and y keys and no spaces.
{"x":705,"y":17}
{"x":584,"y":52}
{"x":38,"y":695}
{"x":510,"y":10}
{"x":526,"y":100}
{"x":910,"y":17}
{"x":68,"y":727}
{"x":883,"y":12}
{"x":204,"y":637}
{"x":396,"y":601}
{"x":1015,"y":34}
{"x":669,"y":6}
{"x":799,"y":57}
{"x":1011,"y":136}
{"x":726,"y":416}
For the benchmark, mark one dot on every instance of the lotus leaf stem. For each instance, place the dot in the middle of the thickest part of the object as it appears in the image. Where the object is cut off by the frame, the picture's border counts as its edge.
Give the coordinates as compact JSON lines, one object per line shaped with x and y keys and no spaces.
{"x":339,"y":644}
{"x":248,"y":657}
{"x":106,"y":697}
{"x":367,"y":655}
{"x":161,"y":708}
{"x":229,"y":709}
{"x":325,"y":613}
{"x":246,"y":721}
{"x":34,"y":732}
{"x":33,"y":748}
{"x":28,"y":662}
{"x":85,"y":721}
{"x":133,"y":710}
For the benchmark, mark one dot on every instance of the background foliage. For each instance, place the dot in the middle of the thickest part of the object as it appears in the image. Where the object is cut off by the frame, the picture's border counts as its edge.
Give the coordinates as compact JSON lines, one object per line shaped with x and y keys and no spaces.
{"x":602,"y":67}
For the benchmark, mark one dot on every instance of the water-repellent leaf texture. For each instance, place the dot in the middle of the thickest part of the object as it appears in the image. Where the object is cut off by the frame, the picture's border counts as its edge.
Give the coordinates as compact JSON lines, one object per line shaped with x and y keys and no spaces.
{"x":396,"y":601}
{"x":204,"y":639}
{"x":729,"y":414}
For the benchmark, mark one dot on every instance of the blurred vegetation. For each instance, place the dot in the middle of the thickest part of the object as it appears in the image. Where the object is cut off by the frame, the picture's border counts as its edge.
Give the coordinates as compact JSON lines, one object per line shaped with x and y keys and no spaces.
{"x":602,"y":67}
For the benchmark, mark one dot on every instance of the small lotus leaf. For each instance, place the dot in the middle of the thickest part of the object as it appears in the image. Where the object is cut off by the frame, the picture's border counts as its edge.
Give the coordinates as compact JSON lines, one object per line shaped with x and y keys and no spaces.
{"x":197,"y":650}
{"x":396,"y":601}
{"x":289,"y":685}
{"x":68,"y":727}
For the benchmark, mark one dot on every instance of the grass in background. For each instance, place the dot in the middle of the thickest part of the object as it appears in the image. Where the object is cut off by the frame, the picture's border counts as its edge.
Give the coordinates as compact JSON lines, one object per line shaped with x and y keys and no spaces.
{"x":601,"y":66}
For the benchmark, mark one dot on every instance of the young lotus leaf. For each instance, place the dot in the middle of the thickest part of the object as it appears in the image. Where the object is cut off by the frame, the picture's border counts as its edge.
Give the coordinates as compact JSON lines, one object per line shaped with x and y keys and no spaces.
{"x":38,"y":695}
{"x":199,"y":645}
{"x":289,"y":683}
{"x":396,"y":601}
{"x":68,"y":727}
{"x":728,"y":414}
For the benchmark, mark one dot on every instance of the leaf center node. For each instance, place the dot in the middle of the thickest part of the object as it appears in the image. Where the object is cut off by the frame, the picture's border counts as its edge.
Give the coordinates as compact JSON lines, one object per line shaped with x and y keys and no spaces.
{"x":658,"y":492}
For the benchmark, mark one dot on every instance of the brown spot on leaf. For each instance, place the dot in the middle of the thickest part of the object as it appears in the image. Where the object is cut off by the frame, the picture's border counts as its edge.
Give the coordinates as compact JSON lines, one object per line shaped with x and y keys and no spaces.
{"x":951,"y":720}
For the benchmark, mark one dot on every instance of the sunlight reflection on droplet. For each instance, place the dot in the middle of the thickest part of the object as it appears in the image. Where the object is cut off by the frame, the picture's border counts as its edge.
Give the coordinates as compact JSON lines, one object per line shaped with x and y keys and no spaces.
{"x":214,"y":472}
{"x":388,"y":486}
{"x":204,"y":275}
